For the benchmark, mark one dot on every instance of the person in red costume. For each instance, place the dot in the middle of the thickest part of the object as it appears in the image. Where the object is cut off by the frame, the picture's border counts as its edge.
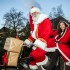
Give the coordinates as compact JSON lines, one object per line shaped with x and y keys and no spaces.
{"x":60,"y":41}
{"x":41,"y":29}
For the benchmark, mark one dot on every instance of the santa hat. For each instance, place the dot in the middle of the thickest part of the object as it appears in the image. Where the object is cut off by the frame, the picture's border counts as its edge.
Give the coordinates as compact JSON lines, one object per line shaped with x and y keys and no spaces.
{"x":34,"y":9}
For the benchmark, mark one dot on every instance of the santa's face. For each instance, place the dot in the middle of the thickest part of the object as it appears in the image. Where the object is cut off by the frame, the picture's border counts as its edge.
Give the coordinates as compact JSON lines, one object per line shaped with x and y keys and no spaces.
{"x":35,"y":16}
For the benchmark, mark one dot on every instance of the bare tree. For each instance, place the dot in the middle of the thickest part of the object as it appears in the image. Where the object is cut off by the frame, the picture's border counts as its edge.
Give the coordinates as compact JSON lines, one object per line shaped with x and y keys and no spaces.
{"x":14,"y":20}
{"x":56,"y":12}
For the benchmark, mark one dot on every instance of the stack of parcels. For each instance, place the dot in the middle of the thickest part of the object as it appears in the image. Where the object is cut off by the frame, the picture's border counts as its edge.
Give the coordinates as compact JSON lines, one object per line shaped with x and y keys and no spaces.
{"x":13,"y":47}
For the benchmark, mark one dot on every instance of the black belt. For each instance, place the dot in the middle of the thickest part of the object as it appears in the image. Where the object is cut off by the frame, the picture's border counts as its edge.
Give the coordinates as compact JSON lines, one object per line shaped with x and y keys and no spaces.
{"x":60,"y":42}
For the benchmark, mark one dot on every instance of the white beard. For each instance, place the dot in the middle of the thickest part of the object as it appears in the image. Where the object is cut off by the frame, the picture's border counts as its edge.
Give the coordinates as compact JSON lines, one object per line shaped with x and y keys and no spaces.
{"x":35,"y":18}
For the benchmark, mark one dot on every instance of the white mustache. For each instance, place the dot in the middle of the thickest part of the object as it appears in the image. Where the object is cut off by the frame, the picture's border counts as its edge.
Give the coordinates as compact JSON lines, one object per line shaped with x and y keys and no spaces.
{"x":35,"y":17}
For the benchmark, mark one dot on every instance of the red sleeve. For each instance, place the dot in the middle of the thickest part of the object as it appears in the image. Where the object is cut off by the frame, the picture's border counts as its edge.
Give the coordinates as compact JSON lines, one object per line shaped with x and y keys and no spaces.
{"x":54,"y":33}
{"x":31,"y":23}
{"x":30,"y":38}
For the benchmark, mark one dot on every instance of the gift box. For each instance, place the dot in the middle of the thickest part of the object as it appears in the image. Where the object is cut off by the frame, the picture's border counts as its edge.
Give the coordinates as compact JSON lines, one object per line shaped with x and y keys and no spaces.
{"x":12,"y":58}
{"x":13,"y":44}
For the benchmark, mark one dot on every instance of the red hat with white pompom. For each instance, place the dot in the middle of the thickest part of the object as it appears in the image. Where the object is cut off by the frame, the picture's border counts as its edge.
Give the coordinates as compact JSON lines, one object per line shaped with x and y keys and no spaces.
{"x":34,"y":9}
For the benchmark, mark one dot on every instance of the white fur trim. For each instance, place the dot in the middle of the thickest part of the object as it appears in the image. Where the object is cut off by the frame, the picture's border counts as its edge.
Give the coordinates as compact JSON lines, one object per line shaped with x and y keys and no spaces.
{"x":33,"y":66}
{"x":41,"y":18}
{"x":42,"y":68}
{"x":62,"y":52}
{"x":51,"y":49}
{"x":68,"y":63}
{"x":34,"y":9}
{"x":34,"y":47}
{"x":27,"y":41}
{"x":40,"y":44}
{"x":43,"y":62}
{"x":33,"y":33}
{"x":62,"y":35}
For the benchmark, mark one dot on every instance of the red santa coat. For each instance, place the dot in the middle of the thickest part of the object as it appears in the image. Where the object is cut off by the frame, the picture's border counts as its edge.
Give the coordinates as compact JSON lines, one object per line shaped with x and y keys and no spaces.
{"x":40,"y":31}
{"x":61,"y":45}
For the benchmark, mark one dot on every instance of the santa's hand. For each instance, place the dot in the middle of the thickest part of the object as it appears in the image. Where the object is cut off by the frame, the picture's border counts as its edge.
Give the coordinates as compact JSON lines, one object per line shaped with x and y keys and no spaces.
{"x":24,"y":44}
{"x":28,"y":45}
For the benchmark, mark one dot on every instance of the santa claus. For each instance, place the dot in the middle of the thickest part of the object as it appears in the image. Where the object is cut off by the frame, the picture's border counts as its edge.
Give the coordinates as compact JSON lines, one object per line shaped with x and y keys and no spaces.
{"x":41,"y":29}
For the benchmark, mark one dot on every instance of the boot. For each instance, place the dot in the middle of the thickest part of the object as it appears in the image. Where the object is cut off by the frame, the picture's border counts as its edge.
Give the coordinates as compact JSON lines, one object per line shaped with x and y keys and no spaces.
{"x":53,"y":60}
{"x":26,"y":63}
{"x":46,"y":65}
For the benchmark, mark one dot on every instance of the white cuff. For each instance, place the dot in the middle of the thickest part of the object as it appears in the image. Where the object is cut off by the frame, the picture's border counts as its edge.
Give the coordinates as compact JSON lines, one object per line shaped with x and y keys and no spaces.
{"x":51,"y":49}
{"x":27,"y":41}
{"x":43,"y":62}
{"x":33,"y":67}
{"x":68,"y":63}
{"x":40,"y":44}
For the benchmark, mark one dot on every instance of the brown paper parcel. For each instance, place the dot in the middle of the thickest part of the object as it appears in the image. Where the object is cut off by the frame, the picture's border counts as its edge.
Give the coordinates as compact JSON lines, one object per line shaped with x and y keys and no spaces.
{"x":13,"y":44}
{"x":12,"y":58}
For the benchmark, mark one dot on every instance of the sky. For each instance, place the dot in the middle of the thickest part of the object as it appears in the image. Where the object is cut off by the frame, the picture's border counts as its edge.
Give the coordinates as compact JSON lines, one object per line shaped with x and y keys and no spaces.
{"x":25,"y":5}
